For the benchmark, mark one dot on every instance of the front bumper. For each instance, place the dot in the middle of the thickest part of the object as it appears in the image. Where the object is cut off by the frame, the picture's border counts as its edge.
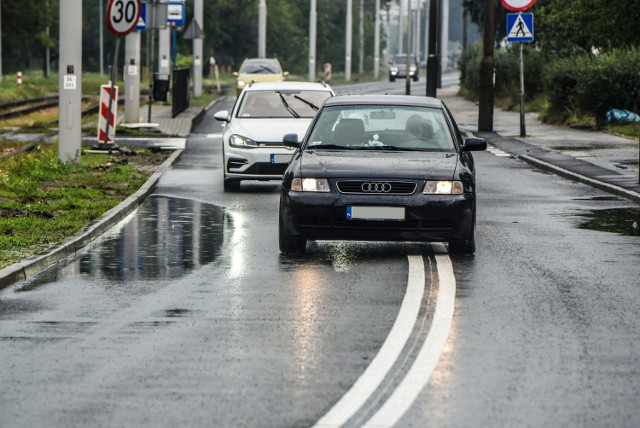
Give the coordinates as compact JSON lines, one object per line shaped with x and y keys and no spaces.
{"x":323,"y":216}
{"x":262,"y":163}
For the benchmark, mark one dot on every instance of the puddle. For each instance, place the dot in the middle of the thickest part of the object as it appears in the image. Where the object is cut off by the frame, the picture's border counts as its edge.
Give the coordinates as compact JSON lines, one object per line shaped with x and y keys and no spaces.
{"x":624,"y":221}
{"x":166,"y":238}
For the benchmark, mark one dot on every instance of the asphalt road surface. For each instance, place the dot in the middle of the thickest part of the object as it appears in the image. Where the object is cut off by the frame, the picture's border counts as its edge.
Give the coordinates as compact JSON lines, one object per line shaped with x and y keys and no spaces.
{"x":187,"y":315}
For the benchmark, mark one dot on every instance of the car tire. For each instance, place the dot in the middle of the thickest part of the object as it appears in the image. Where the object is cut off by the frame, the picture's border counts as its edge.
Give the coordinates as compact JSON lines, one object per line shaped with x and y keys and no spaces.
{"x":231,"y":185}
{"x":290,"y":243}
{"x":392,"y":79}
{"x":416,"y":78}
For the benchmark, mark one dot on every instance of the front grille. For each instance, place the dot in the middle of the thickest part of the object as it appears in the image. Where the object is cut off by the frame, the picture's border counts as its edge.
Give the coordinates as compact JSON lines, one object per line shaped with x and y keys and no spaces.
{"x":376,"y":187}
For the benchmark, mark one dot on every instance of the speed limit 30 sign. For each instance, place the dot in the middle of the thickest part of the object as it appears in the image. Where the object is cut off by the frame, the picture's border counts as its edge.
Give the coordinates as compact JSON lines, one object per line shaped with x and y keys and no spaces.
{"x":123,"y":16}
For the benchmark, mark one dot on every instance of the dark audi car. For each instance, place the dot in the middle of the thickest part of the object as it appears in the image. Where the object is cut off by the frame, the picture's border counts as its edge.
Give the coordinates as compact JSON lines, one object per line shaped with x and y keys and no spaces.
{"x":380,"y":168}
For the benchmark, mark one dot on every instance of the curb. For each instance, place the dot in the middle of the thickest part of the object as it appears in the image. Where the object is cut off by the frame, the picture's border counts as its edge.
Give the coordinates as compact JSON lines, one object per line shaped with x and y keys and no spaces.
{"x":607,"y":187}
{"x":69,"y":247}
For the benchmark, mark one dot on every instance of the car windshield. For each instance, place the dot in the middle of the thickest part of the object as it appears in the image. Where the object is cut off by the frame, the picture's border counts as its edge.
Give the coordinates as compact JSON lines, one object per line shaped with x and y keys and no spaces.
{"x":402,"y":59}
{"x":260,"y":68}
{"x":281,"y":104}
{"x":381,"y":127}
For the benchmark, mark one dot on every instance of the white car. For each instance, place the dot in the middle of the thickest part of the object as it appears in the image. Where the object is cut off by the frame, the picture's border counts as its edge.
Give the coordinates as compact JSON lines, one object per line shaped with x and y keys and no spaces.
{"x":252,"y":136}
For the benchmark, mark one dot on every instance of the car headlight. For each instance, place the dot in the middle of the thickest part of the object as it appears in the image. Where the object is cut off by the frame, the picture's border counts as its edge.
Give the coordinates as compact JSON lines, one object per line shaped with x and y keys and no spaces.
{"x":240,"y":83}
{"x":412,"y":68}
{"x":394,"y":69}
{"x":242,"y":142}
{"x":310,"y":185}
{"x":443,"y":187}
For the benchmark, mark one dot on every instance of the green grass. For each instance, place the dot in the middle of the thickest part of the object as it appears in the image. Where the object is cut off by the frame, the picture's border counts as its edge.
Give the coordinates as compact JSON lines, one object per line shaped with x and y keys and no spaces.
{"x":43,"y":201}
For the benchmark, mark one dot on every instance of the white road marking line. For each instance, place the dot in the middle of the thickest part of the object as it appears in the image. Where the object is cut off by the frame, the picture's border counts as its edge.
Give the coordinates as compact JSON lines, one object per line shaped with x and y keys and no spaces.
{"x":375,"y":373}
{"x":418,"y":376}
{"x":214,"y":135}
{"x":496,"y":151}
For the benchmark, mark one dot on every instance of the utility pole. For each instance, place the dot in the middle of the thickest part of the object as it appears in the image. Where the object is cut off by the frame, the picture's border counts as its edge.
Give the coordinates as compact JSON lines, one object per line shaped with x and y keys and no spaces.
{"x":70,"y":81}
{"x":376,"y":43}
{"x":401,"y":26}
{"x":407,"y":88}
{"x":262,"y":29}
{"x":132,"y":77}
{"x":347,"y":48}
{"x":198,"y":20}
{"x":433,"y":62}
{"x":487,"y":67}
{"x":313,"y":18}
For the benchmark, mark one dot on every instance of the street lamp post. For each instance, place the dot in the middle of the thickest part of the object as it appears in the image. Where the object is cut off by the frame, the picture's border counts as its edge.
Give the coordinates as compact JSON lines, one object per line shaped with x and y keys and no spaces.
{"x":347,"y":49}
{"x":262,"y":29}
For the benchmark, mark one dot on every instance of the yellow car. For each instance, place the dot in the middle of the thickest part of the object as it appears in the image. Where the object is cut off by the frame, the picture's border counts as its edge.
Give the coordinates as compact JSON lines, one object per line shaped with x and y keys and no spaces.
{"x":259,"y":70}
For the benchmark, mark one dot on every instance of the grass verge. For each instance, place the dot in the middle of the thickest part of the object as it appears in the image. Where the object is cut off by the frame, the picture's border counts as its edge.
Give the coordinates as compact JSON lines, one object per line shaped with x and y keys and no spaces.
{"x":43,"y":201}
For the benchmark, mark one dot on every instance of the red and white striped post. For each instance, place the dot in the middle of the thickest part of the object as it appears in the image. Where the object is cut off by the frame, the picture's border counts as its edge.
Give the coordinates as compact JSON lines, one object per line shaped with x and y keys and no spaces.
{"x":327,"y":73}
{"x":102,"y":118}
{"x":19,"y":78}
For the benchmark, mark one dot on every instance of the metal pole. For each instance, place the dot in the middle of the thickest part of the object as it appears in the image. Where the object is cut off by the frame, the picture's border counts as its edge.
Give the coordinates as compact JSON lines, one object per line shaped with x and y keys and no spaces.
{"x":432,"y":59}
{"x":70,"y":81}
{"x":347,"y":49}
{"x":262,"y":29}
{"x":361,"y":39}
{"x":376,"y":43}
{"x":407,"y":86}
{"x":487,"y":67}
{"x":198,"y":60}
{"x":523,"y":131}
{"x":0,"y":40}
{"x":313,"y":18}
{"x":101,"y":39}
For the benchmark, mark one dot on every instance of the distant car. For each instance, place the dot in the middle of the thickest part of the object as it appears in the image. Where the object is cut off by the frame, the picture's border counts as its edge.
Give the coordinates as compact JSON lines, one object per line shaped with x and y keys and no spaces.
{"x":252,"y":145}
{"x":259,"y":70}
{"x":380,"y":168}
{"x":398,"y":68}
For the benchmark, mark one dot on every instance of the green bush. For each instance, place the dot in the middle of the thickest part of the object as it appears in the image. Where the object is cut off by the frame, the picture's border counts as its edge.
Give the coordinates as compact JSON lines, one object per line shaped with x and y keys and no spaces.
{"x":507,"y":78}
{"x":593,"y":84}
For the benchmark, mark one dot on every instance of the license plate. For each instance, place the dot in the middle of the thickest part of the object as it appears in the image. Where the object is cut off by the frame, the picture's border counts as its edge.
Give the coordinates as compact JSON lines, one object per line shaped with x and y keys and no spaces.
{"x":280,"y":158}
{"x":375,"y":213}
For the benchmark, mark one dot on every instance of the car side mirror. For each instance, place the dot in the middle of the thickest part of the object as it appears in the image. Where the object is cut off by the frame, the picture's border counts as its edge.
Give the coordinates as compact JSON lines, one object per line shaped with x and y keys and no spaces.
{"x":222,"y":116}
{"x":290,"y":141}
{"x":474,"y":144}
{"x":235,"y":73}
{"x":286,"y":73}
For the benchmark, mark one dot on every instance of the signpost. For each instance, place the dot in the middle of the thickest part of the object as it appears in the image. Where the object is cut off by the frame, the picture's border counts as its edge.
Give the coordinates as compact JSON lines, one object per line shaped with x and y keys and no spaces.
{"x":122,"y":18}
{"x":520,"y":29}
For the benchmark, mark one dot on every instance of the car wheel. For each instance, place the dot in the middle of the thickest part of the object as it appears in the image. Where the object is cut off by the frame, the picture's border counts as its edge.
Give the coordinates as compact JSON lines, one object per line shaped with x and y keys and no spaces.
{"x":416,"y":78}
{"x":231,"y":185}
{"x":392,"y":79}
{"x":290,"y":243}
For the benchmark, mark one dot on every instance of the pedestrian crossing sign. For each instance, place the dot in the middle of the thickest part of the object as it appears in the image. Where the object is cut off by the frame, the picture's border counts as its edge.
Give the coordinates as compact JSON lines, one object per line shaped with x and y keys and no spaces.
{"x":520,"y":27}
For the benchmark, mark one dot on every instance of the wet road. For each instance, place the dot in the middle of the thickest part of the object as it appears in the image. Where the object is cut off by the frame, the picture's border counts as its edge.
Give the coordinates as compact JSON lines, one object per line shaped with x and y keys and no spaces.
{"x":186,"y":315}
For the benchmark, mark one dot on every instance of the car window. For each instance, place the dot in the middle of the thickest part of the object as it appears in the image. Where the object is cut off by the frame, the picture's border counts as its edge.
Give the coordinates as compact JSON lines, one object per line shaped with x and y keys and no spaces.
{"x":260,"y":68}
{"x":281,"y":104}
{"x":382,"y":126}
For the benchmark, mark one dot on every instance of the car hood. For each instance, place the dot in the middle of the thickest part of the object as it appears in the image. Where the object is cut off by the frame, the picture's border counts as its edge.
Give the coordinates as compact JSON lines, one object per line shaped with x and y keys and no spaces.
{"x":261,"y":77}
{"x":269,"y":130}
{"x":388,"y":165}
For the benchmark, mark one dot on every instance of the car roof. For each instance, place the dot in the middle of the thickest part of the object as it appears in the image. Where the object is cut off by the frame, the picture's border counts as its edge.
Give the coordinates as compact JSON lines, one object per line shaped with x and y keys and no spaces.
{"x":392,"y":100}
{"x":287,"y":85}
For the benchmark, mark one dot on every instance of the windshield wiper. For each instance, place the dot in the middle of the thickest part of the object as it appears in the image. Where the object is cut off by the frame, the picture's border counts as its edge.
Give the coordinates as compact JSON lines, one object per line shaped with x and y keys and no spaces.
{"x":307,"y":102}
{"x":287,"y":106}
{"x":330,"y":147}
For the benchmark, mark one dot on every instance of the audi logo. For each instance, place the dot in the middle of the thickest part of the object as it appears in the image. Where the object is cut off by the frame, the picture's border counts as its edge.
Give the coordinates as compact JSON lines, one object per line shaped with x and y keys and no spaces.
{"x":376,"y":187}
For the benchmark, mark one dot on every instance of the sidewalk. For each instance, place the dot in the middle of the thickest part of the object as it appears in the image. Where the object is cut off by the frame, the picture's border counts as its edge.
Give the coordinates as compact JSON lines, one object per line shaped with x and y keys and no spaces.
{"x":600,"y":159}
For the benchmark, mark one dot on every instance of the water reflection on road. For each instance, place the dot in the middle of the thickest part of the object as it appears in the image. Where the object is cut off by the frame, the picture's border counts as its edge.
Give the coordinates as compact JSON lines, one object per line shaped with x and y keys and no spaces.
{"x":165,"y":238}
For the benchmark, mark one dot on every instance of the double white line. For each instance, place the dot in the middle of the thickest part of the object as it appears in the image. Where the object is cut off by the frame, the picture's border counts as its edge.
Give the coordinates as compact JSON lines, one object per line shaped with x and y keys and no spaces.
{"x":420,"y":372}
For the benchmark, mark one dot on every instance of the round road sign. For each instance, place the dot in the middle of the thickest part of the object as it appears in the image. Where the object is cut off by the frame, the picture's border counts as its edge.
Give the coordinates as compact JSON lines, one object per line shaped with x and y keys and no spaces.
{"x":123,"y":16}
{"x":518,"y":5}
